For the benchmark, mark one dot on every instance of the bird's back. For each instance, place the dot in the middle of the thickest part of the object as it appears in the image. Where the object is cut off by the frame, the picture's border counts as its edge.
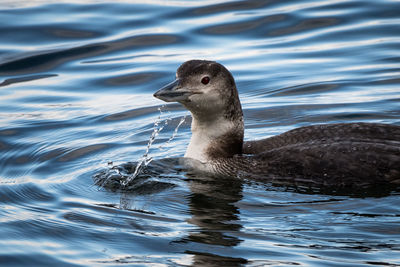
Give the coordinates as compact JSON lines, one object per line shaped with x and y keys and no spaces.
{"x":334,"y":155}
{"x":325,"y":133}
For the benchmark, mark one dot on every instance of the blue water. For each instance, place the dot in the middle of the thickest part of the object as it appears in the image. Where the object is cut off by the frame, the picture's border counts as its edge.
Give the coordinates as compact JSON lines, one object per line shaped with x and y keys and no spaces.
{"x":76,"y":86}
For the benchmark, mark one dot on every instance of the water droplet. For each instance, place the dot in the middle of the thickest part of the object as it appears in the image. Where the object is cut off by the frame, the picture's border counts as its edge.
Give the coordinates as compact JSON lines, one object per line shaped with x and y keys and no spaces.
{"x":146,"y":159}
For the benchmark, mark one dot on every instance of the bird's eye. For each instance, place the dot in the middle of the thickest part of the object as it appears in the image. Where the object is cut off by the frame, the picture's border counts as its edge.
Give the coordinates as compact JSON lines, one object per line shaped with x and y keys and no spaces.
{"x":205,"y":80}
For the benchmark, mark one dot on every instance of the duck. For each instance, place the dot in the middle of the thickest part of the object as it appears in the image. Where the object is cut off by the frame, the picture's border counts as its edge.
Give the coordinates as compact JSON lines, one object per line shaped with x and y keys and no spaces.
{"x":338,"y":154}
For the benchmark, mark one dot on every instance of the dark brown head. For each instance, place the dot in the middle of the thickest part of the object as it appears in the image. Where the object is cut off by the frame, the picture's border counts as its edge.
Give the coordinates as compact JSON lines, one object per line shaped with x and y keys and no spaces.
{"x":206,"y":88}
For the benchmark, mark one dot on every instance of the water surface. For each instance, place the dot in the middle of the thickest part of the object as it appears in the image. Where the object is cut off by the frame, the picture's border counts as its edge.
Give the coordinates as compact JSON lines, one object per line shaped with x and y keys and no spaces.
{"x":76,"y":86}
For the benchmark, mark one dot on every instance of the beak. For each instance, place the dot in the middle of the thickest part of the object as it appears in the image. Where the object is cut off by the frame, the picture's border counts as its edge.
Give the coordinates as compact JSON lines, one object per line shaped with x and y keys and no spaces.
{"x":173,"y":92}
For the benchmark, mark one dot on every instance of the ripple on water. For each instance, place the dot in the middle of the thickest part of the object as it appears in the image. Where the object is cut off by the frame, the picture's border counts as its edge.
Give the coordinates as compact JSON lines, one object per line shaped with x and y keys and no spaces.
{"x":82,"y":152}
{"x":24,"y":193}
{"x":131,"y":114}
{"x":46,"y":60}
{"x":25,"y":79}
{"x":254,"y":26}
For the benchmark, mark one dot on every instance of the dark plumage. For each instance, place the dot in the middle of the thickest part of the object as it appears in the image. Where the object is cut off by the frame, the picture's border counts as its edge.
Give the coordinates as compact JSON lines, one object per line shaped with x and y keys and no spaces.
{"x":343,"y":157}
{"x":355,"y":154}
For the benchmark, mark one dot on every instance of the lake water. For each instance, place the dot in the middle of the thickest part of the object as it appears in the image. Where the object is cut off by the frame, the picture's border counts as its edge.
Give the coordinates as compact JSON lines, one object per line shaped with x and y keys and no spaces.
{"x":76,"y":99}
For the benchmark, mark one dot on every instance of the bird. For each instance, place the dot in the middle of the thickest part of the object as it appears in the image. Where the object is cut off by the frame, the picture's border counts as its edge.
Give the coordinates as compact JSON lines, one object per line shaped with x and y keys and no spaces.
{"x":339,"y":154}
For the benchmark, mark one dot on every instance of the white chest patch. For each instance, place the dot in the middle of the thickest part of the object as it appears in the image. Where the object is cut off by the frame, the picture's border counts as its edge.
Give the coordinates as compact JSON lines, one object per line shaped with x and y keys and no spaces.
{"x":197,"y":148}
{"x":203,"y":136}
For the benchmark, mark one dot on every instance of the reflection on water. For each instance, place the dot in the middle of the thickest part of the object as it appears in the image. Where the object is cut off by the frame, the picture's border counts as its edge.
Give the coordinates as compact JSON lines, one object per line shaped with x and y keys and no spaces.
{"x":76,"y":86}
{"x":213,"y":212}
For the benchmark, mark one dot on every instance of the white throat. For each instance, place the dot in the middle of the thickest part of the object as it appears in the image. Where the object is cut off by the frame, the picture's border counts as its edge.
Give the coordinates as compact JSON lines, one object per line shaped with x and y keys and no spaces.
{"x":203,"y":135}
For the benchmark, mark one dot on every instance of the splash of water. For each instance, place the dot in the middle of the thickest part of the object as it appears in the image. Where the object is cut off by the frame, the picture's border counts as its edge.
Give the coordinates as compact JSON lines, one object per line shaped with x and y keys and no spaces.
{"x":161,"y":147}
{"x":146,"y":158}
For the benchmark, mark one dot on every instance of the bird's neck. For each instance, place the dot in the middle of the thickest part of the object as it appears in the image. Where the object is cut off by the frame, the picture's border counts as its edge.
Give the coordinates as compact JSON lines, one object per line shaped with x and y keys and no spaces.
{"x":215,"y":138}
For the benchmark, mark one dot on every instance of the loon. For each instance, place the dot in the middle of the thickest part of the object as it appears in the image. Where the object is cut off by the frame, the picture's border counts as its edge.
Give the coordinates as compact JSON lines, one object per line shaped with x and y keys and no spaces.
{"x":342,"y":154}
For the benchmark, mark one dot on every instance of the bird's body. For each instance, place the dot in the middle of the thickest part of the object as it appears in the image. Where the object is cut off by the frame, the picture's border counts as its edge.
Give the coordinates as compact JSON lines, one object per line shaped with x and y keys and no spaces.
{"x":327,"y":154}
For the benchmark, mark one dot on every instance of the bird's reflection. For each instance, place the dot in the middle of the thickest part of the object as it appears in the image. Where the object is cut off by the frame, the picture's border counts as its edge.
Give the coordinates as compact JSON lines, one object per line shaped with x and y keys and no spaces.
{"x":216,"y":217}
{"x":213,"y":215}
